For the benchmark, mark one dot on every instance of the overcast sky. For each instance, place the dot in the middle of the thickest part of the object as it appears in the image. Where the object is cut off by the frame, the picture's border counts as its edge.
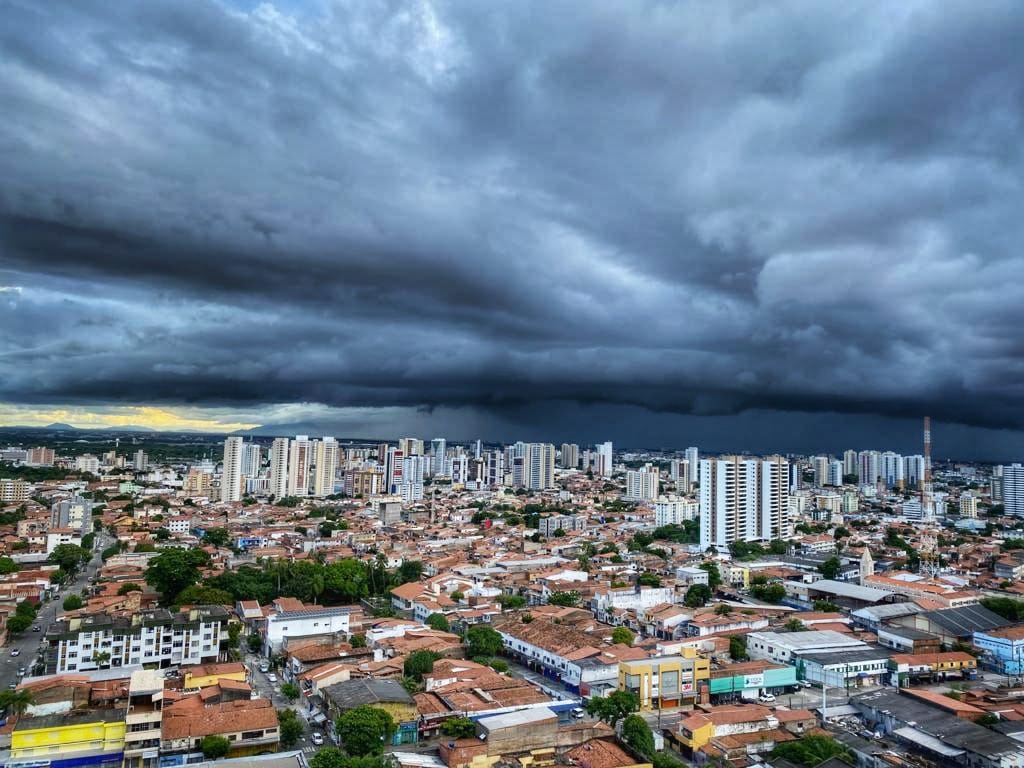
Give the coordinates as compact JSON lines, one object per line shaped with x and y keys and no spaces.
{"x":750,"y":225}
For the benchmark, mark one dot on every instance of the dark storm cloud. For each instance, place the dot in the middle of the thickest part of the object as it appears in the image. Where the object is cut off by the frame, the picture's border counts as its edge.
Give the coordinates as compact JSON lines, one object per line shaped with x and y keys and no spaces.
{"x":697,"y":208}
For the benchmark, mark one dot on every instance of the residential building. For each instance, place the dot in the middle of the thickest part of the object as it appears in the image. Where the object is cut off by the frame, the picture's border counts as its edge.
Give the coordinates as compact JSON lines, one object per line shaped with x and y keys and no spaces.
{"x":93,"y":737}
{"x":231,"y":484}
{"x":1013,"y":488}
{"x":325,"y":467}
{"x":675,"y":510}
{"x":743,"y":499}
{"x":569,"y":456}
{"x":410,"y":446}
{"x":289,"y":618}
{"x":565,"y":523}
{"x":74,"y":513}
{"x":279,"y":468}
{"x":141,"y":462}
{"x":250,"y":726}
{"x":642,"y":484}
{"x":388,"y":695}
{"x":150,"y":637}
{"x":14,"y":491}
{"x":438,"y":451}
{"x":252,"y":460}
{"x":604,"y":460}
{"x":300,"y":462}
{"x":968,"y":505}
{"x":87,"y":462}
{"x":40,"y":457}
{"x":143,"y":719}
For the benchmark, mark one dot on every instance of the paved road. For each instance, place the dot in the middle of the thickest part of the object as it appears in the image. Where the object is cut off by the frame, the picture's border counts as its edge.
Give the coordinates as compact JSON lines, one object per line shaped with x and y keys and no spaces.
{"x":28,"y":643}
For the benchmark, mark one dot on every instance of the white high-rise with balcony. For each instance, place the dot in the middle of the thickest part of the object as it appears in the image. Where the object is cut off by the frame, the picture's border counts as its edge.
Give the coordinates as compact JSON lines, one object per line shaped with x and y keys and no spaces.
{"x":743,"y":499}
{"x":1013,"y":489}
{"x":231,"y":477}
{"x":279,"y":468}
{"x":325,"y":467}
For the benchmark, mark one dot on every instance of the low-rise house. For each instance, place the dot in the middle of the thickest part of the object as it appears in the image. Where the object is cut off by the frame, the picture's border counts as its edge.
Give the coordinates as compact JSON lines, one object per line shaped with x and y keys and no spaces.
{"x":250,"y":726}
{"x":388,"y":695}
{"x":288,"y":618}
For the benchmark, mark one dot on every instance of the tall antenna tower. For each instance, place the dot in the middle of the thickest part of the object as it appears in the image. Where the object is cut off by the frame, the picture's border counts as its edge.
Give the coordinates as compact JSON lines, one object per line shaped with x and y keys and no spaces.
{"x":926,"y":480}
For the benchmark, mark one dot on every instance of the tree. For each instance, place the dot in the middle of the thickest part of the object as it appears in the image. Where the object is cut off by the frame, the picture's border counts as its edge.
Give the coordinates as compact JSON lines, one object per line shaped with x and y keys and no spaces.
{"x":410,"y":570}
{"x":459,"y":728}
{"x":622,"y":635}
{"x":290,"y":727}
{"x":255,"y":642}
{"x":16,"y":702}
{"x":697,"y":595}
{"x":162,"y":534}
{"x":722,"y":610}
{"x":769,"y":593}
{"x":357,"y":641}
{"x":17,"y":624}
{"x":794,"y":625}
{"x":614,"y":707}
{"x":124,"y":589}
{"x":438,"y":621}
{"x":57,"y":577}
{"x":483,"y":641}
{"x":637,"y":734}
{"x":825,"y":606}
{"x":214,"y":746}
{"x":831,"y":567}
{"x":7,"y":565}
{"x":290,"y":691}
{"x":420,"y":663}
{"x":811,"y":750}
{"x":364,"y":730}
{"x":648,"y":579}
{"x":217,"y":537}
{"x":171,"y":572}
{"x":72,"y":603}
{"x":565,"y":599}
{"x":738,"y":648}
{"x":69,"y":557}
{"x":714,"y":577}
{"x":512,"y":602}
{"x":198,"y":594}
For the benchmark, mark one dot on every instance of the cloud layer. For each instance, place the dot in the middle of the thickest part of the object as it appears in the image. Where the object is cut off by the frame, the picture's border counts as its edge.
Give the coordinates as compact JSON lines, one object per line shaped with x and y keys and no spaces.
{"x":695,"y":208}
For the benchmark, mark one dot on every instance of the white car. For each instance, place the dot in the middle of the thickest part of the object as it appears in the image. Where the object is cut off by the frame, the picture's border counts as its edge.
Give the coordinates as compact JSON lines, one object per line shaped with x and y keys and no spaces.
{"x":318,"y":738}
{"x":766,"y":698}
{"x":15,"y":652}
{"x":272,"y":677}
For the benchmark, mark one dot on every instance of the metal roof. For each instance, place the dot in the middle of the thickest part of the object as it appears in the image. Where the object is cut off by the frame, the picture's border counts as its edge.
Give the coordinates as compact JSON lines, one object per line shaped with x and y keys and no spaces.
{"x":967,"y":619}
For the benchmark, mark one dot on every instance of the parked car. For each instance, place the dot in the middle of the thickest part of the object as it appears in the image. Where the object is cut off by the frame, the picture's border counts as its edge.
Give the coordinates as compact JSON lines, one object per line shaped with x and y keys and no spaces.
{"x":272,"y":677}
{"x":318,"y":738}
{"x":766,"y":698}
{"x":15,"y":652}
{"x":37,"y":628}
{"x":578,"y":712}
{"x":804,"y":683}
{"x":21,"y":671}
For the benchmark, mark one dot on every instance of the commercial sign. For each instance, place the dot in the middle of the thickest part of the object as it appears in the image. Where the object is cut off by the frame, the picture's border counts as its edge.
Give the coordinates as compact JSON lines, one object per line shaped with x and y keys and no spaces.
{"x":753,"y":681}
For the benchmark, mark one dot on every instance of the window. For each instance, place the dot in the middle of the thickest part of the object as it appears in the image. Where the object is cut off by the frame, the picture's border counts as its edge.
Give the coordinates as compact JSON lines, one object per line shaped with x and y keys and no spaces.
{"x":252,"y":734}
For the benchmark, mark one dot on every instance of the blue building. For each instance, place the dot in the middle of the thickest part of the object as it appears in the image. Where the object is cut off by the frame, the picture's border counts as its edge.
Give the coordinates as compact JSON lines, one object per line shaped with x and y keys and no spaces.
{"x":1003,"y":649}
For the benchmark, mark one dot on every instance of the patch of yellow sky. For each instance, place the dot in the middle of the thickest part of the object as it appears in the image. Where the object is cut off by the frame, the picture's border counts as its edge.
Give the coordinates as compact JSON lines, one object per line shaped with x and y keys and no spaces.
{"x":166,"y":419}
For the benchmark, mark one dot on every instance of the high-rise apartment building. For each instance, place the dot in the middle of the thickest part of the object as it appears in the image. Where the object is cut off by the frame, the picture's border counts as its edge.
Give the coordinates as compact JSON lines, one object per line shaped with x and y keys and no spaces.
{"x":819,"y":465}
{"x":968,"y":505}
{"x":40,"y":457}
{"x":642,"y":484}
{"x":796,"y":477}
{"x":13,"y":491}
{"x":231,"y":487}
{"x":892,"y":470}
{"x":851,"y":465}
{"x":325,"y":466}
{"x":141,"y":463}
{"x":252,"y":459}
{"x":570,"y":456}
{"x":692,"y":455}
{"x":300,"y":461}
{"x":393,"y":468}
{"x":538,"y":466}
{"x":279,"y":450}
{"x":913,"y":471}
{"x":679,"y":472}
{"x":410,"y":446}
{"x":438,"y":451}
{"x":605,"y":456}
{"x":87,"y":462}
{"x":835,"y":473}
{"x":869,"y":465}
{"x":743,"y":499}
{"x":1013,"y":489}
{"x":674,"y":510}
{"x":494,"y":469}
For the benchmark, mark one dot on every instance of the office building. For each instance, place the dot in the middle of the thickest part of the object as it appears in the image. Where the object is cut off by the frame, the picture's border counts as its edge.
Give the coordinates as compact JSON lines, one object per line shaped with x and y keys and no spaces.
{"x":869,"y":467}
{"x":743,"y":499}
{"x":1013,"y":489}
{"x":325,"y":467}
{"x":538,"y":466}
{"x":913,"y":471}
{"x":642,"y":484}
{"x":279,"y":468}
{"x":796,"y":477}
{"x":231,"y":486}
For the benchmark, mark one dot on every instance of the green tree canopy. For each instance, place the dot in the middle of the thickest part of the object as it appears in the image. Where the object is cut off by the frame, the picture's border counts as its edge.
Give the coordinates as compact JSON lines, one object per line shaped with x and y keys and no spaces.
{"x":458,"y":728}
{"x":420,"y":663}
{"x":565,"y":599}
{"x":365,"y":730}
{"x":811,"y":750}
{"x":614,"y":707}
{"x":697,"y":595}
{"x":214,"y":746}
{"x":172,"y":571}
{"x":483,"y":641}
{"x":198,"y":594}
{"x":622,"y":635}
{"x":831,"y":567}
{"x":217,"y":537}
{"x":438,"y":621}
{"x":637,"y":734}
{"x":7,"y":565}
{"x":69,"y":557}
{"x":290,"y":727}
{"x":714,"y":576}
{"x":72,"y":603}
{"x":124,"y":589}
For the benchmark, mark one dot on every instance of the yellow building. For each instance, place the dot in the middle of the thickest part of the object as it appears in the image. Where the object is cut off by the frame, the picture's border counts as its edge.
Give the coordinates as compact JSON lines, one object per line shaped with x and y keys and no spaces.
{"x":664,"y":681}
{"x":94,"y":737}
{"x":205,"y":675}
{"x":736,"y":575}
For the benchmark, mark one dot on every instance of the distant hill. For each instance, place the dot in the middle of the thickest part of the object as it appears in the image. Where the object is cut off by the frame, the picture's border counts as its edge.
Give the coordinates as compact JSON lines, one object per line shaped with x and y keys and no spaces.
{"x":61,"y":427}
{"x":130,"y":428}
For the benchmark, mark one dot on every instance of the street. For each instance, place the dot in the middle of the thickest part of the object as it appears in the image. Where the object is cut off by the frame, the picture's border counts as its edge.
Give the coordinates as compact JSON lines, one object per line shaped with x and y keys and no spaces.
{"x":29,"y":643}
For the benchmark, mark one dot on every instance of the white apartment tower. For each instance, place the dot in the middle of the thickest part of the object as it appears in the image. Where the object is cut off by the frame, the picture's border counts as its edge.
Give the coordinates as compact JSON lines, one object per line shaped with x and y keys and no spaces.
{"x":438,"y":449}
{"x":743,"y":499}
{"x":326,"y":465}
{"x":913,"y":471}
{"x":279,"y":468}
{"x":679,"y":471}
{"x":642,"y":484}
{"x":538,"y":466}
{"x":604,"y":459}
{"x":141,"y":462}
{"x":252,"y":459}
{"x":231,"y":477}
{"x":1013,"y":489}
{"x":892,"y":470}
{"x":835,"y":473}
{"x":869,"y":465}
{"x":851,"y":466}
{"x":300,"y":460}
{"x":570,"y":456}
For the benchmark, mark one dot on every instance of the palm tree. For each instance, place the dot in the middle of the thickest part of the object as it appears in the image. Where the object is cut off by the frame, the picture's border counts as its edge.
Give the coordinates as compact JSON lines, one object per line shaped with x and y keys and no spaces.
{"x":16,"y":701}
